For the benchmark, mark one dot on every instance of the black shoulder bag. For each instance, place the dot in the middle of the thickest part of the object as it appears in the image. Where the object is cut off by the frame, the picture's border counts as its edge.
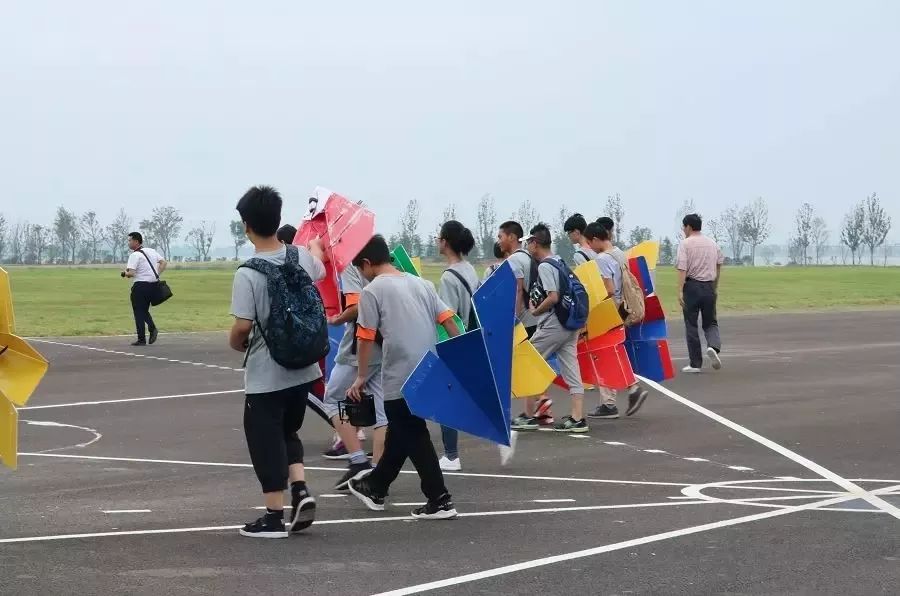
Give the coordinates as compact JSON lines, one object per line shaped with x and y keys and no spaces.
{"x":163,"y":291}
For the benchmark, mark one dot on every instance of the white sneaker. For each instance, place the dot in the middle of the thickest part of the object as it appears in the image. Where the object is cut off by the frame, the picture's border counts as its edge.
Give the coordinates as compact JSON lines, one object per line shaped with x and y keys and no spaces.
{"x":450,"y":465}
{"x":507,"y":453}
{"x":690,"y":369}
{"x":714,"y":358}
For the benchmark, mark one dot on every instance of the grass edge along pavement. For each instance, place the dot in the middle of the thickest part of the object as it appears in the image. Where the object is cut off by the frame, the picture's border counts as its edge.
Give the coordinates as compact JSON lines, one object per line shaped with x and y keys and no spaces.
{"x":72,"y":301}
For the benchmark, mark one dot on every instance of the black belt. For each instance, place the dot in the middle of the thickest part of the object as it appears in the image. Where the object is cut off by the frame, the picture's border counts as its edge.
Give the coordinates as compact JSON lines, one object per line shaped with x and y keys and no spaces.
{"x":699,"y":281}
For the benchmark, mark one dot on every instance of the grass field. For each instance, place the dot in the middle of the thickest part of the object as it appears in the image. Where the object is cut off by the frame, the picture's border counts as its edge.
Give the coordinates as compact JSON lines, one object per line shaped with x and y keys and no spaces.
{"x":94,"y":301}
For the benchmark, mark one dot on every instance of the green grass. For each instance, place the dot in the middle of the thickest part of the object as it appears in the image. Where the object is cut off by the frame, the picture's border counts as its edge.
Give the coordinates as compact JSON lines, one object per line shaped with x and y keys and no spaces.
{"x":94,"y":301}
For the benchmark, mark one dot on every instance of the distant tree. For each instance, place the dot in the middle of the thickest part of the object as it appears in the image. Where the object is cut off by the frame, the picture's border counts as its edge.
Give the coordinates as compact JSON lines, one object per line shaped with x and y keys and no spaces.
{"x":409,"y":229}
{"x":4,"y":230}
{"x":430,"y":249}
{"x":487,"y":225}
{"x":115,"y":233}
{"x":803,"y":230}
{"x":42,"y":236}
{"x":200,"y":239}
{"x":755,"y":228}
{"x":818,"y":236}
{"x":561,"y":242}
{"x":147,"y":227}
{"x":639,"y":234}
{"x":732,"y":223}
{"x":616,"y":211}
{"x":768,"y":254}
{"x":526,"y":215}
{"x":852,"y":230}
{"x":238,"y":236}
{"x":877,"y":226}
{"x":92,"y":232}
{"x":65,"y":226}
{"x":18,"y":237}
{"x":796,"y":252}
{"x":686,"y":208}
{"x":715,"y":230}
{"x":166,"y":226}
{"x":666,"y":252}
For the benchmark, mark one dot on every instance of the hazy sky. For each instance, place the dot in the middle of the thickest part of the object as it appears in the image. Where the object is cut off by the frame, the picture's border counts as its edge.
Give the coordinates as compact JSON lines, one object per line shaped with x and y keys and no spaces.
{"x":111,"y":104}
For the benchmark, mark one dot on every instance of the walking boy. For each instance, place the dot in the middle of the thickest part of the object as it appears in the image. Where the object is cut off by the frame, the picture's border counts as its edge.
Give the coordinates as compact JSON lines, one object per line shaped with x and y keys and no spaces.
{"x":275,"y":396}
{"x":551,"y":337}
{"x":574,"y":228}
{"x":402,"y":309}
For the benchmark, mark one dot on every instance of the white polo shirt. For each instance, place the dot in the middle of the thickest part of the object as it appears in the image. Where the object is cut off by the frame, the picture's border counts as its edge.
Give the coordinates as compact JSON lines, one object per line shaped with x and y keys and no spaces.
{"x":142,"y":270}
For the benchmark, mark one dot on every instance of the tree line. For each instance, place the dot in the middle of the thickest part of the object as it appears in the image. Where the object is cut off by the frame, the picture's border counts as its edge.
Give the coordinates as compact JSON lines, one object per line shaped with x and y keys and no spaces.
{"x":74,"y":238}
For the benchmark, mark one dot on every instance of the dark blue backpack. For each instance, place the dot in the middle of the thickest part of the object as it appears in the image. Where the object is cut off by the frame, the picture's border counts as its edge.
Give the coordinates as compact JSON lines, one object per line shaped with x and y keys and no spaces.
{"x":296,"y":333}
{"x":572,"y":308}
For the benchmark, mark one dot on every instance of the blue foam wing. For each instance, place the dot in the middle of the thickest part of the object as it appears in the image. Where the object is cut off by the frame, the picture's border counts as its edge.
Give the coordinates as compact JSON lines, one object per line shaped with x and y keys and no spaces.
{"x":495,"y":305}
{"x":646,"y":331}
{"x":647,"y":359}
{"x":643,"y":275}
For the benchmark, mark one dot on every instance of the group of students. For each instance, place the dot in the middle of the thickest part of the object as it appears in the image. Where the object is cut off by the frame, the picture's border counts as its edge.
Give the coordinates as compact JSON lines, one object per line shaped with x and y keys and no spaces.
{"x":389,"y":319}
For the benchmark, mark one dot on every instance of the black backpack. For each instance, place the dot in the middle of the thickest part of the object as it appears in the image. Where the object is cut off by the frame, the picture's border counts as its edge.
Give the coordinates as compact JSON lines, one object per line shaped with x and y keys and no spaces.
{"x":472,"y":323}
{"x":296,"y":333}
{"x":533,"y":277}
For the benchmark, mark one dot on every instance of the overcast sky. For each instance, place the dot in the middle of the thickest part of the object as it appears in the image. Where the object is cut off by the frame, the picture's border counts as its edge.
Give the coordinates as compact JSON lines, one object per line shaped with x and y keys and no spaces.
{"x":112,"y":104}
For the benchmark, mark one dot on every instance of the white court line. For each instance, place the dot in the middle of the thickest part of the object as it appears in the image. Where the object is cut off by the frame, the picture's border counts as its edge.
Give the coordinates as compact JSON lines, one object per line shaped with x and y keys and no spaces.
{"x":873,"y":499}
{"x":553,"y":501}
{"x":740,"y":468}
{"x":130,"y":399}
{"x":360,"y":520}
{"x":130,"y":354}
{"x":407,"y":504}
{"x":695,"y":459}
{"x":529,"y":565}
{"x":320,"y":469}
{"x":97,"y":435}
{"x":127,"y":511}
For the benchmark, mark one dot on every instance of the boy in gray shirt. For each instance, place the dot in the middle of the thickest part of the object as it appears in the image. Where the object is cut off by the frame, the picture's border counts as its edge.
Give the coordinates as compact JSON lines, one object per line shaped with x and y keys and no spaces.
{"x":574,"y":228}
{"x":402,"y":309}
{"x":552,"y":338}
{"x":275,"y":396}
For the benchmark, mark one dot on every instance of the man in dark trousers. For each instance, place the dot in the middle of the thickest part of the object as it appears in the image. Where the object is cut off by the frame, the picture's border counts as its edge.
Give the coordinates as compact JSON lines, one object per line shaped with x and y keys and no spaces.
{"x":144,"y":267}
{"x":699,"y":265}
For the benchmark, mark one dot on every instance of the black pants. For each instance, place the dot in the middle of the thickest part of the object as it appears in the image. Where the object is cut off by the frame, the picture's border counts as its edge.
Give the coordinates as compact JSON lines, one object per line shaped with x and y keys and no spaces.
{"x":700,"y":300}
{"x":141,"y":294}
{"x":271,"y":422}
{"x":407,"y":437}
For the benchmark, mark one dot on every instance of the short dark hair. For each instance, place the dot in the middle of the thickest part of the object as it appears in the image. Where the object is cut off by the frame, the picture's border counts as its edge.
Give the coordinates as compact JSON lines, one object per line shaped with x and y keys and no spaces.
{"x":694,"y":221}
{"x":512,"y":227}
{"x":458,"y":236}
{"x":260,"y":209}
{"x":498,"y":252}
{"x":575,"y":223}
{"x":596,"y":230}
{"x":541,"y":234}
{"x":136,"y":236}
{"x":607,"y":223}
{"x":376,"y":251}
{"x":286,"y":233}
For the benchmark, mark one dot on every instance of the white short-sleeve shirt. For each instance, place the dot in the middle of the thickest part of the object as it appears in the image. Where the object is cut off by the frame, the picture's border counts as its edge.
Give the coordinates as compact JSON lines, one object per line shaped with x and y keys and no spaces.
{"x":141,"y":267}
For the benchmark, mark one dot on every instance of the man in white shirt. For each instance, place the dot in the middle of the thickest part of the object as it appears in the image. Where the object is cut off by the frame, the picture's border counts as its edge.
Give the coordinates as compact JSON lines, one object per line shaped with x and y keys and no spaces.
{"x":144,"y":267}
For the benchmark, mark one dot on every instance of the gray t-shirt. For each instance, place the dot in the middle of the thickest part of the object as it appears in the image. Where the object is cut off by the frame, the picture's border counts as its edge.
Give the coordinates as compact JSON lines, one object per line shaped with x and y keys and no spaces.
{"x":611,"y":269}
{"x":454,"y":294}
{"x":404,"y":308}
{"x":352,"y":284}
{"x":250,"y":301}
{"x":521,"y":266}
{"x":580,"y":252}
{"x":549,"y":280}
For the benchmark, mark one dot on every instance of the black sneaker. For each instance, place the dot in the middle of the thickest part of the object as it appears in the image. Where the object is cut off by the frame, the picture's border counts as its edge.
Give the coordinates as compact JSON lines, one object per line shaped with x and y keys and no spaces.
{"x":524,"y":422}
{"x":570,"y":425}
{"x":154,"y":334}
{"x":139,"y":343}
{"x":303,"y":510}
{"x":337,"y":452}
{"x":362,"y":490}
{"x":636,"y":399}
{"x":605,"y":412}
{"x":265,"y":527}
{"x":354,"y":472}
{"x":441,"y":509}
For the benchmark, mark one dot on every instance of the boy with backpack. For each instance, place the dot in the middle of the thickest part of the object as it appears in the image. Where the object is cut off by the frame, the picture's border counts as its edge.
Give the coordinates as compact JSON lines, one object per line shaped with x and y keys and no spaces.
{"x":400,"y":311}
{"x":622,"y":287}
{"x":574,"y":228}
{"x":560,"y":305}
{"x":280,"y":325}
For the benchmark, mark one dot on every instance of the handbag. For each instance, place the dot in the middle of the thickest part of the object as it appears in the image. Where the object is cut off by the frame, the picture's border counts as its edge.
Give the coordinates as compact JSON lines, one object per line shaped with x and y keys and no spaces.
{"x":163,"y":291}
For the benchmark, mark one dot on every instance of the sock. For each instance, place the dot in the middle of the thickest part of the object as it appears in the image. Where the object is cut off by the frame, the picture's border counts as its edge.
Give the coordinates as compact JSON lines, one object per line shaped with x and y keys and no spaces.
{"x":298,"y":486}
{"x":358,"y":457}
{"x":274,"y":515}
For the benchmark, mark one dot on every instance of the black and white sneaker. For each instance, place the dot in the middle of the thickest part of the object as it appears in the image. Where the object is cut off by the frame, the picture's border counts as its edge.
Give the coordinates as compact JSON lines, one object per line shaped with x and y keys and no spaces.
{"x":303,"y":511}
{"x":441,"y":509}
{"x":267,"y":526}
{"x":605,"y":412}
{"x":714,"y":358}
{"x":354,"y":472}
{"x":362,"y":490}
{"x":636,"y":399}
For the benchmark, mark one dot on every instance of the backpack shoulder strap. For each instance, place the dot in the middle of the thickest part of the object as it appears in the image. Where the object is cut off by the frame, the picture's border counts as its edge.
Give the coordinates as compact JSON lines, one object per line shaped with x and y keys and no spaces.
{"x":261,"y":265}
{"x":583,"y":254}
{"x":462,"y":279}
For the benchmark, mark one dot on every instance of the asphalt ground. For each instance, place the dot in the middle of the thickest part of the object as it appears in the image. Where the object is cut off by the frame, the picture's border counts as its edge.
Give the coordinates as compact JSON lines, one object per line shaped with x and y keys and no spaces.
{"x":145,"y":496}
